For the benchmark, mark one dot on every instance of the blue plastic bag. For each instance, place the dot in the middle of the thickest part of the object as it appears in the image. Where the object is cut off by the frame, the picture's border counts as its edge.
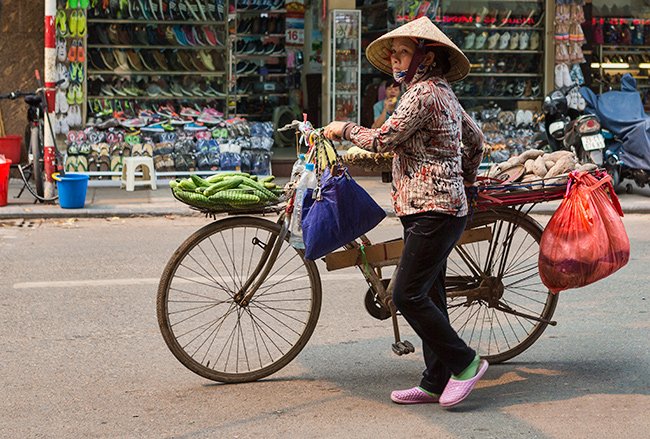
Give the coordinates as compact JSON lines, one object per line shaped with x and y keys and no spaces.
{"x":343,"y":212}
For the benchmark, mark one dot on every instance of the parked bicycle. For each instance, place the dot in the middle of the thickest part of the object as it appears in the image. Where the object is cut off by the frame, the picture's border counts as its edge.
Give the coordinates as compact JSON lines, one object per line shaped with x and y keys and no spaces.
{"x":33,"y":172}
{"x":236,"y":302}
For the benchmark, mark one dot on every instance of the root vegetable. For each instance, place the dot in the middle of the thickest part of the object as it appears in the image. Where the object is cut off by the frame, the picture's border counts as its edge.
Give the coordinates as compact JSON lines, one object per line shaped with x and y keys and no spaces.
{"x":563,"y":165}
{"x":529,"y":154}
{"x":528,"y":166}
{"x":539,"y":167}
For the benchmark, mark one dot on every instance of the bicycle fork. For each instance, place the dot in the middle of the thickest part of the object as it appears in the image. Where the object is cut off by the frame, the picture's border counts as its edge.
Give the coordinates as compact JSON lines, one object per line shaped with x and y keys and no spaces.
{"x":264,"y":265}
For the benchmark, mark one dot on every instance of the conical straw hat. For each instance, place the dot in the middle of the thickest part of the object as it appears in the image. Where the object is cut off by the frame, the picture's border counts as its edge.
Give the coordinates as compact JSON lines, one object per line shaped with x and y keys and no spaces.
{"x":378,"y":52}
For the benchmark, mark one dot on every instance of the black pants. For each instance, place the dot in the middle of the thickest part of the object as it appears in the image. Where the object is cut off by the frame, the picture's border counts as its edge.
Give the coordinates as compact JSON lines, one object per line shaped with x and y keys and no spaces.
{"x":419,"y":294}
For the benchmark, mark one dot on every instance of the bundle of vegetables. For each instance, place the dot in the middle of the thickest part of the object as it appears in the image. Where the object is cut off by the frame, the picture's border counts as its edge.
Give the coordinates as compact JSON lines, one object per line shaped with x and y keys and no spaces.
{"x":535,"y":165}
{"x":227,"y":191}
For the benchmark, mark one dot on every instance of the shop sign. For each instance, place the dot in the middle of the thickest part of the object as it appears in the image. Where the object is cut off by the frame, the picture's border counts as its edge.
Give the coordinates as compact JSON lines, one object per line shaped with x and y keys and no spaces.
{"x":295,"y":32}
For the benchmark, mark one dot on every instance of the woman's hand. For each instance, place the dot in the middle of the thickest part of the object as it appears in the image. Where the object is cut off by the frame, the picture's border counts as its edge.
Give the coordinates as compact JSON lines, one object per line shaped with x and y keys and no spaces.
{"x":334,"y":130}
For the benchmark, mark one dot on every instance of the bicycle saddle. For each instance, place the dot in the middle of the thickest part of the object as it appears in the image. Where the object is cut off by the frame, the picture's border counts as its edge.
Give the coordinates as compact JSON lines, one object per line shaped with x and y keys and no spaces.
{"x":33,"y":99}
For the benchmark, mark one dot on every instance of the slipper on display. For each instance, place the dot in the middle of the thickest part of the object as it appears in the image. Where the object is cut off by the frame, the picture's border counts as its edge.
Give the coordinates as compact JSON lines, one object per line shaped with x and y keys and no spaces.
{"x":71,"y":163}
{"x":82,"y":164}
{"x":60,"y":22}
{"x":61,"y":50}
{"x":147,"y":150}
{"x":136,"y":150}
{"x":73,"y":148}
{"x":72,"y":23}
{"x":116,"y":163}
{"x":72,"y":51}
{"x":72,"y":4}
{"x":81,"y":53}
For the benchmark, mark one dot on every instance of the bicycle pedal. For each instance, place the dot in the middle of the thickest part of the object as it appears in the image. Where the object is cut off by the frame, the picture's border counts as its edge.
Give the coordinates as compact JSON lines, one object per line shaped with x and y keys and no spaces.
{"x":402,"y":348}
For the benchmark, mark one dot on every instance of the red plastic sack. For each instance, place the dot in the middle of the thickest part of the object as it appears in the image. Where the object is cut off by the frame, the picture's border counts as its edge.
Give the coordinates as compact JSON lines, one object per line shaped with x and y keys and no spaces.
{"x":585,"y":240}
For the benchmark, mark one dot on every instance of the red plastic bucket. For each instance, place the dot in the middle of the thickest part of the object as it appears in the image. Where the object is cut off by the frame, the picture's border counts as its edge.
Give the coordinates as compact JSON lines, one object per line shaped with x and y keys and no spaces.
{"x":10,"y":147}
{"x":4,"y":182}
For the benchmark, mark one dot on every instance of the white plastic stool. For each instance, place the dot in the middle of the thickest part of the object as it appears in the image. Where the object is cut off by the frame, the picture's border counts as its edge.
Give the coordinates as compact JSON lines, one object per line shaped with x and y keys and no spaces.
{"x":128,"y":173}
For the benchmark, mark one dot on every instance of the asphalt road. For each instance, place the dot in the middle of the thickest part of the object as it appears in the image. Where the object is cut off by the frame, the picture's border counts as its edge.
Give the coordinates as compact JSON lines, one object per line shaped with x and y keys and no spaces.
{"x":82,"y":355}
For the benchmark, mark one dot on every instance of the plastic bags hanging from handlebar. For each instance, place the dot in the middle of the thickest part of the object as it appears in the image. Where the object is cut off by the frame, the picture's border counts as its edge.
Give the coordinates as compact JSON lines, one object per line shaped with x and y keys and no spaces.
{"x":585,"y":240}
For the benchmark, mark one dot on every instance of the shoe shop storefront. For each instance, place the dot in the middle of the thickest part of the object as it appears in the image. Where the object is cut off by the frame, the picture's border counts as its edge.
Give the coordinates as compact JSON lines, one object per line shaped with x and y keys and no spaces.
{"x":204,"y":84}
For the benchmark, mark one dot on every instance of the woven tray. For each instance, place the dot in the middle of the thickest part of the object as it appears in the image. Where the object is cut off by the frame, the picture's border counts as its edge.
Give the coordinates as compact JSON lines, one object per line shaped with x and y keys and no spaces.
{"x":370,"y":161}
{"x":255,"y":209}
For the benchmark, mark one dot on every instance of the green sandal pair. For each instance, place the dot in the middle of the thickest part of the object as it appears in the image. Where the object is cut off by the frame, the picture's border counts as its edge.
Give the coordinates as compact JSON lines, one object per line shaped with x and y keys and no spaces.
{"x":76,"y":163}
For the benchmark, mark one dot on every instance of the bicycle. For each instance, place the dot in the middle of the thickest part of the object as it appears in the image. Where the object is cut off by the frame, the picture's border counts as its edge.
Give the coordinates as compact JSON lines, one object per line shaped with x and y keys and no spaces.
{"x":237,"y":303}
{"x":33,"y":172}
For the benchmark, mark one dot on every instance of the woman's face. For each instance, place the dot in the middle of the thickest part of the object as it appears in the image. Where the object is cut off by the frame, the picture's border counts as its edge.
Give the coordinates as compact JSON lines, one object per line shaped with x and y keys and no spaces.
{"x":392,"y":92}
{"x":401,"y":53}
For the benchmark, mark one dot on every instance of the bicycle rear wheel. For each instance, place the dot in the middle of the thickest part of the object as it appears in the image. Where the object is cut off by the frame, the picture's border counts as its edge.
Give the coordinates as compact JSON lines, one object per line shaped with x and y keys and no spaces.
{"x":496,"y":299}
{"x":214,"y":335}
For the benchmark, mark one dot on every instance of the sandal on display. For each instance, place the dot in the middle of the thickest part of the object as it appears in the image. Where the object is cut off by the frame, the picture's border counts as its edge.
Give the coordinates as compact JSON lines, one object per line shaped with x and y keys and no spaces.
{"x":81,"y":24}
{"x":493,"y":40}
{"x":61,"y":50}
{"x":82,"y":163}
{"x":60,"y":23}
{"x":480,"y":40}
{"x":71,"y":163}
{"x":534,"y":41}
{"x":514,"y":41}
{"x":116,"y":165}
{"x":469,"y":41}
{"x":524,"y":39}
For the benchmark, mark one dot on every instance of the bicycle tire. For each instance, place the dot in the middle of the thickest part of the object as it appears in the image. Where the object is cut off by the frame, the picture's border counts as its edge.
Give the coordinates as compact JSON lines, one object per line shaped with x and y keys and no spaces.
{"x":184,"y":260}
{"x":37,"y":162}
{"x":539,"y":302}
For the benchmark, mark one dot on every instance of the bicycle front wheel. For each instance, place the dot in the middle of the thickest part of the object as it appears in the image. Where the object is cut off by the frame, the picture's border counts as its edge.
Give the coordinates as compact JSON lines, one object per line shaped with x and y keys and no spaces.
{"x":37,"y":161}
{"x":217,"y":336}
{"x":495,"y":296}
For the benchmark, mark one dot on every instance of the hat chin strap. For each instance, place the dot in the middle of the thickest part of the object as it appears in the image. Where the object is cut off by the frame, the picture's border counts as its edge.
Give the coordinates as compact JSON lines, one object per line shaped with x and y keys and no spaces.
{"x":418,"y":56}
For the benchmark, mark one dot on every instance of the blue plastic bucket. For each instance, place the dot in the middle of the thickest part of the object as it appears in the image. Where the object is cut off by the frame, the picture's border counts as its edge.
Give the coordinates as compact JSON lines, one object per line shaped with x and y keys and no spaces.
{"x":72,"y":190}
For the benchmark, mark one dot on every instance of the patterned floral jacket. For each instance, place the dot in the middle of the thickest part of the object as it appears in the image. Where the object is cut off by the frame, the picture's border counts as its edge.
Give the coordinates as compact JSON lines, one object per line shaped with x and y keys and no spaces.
{"x":425,"y":133}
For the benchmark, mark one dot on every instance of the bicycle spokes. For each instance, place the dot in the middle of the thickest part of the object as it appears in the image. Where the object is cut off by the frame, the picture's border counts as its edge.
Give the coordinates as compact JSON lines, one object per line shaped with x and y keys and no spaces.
{"x":496,"y":299}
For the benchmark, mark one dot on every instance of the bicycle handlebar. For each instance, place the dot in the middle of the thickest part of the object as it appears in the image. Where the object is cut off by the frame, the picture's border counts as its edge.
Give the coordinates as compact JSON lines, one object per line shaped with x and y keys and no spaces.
{"x":19,"y":94}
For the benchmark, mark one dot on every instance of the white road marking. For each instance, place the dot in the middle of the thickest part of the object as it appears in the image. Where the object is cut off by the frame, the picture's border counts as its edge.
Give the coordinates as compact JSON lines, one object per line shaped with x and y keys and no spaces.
{"x":149,"y":281}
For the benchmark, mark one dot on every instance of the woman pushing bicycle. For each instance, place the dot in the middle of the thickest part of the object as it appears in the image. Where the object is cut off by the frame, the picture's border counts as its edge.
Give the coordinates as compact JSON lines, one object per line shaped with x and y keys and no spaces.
{"x":430,"y":171}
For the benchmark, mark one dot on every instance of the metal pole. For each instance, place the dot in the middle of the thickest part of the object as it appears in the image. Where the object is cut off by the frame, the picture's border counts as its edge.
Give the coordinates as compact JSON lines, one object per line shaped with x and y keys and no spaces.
{"x":49,"y":75}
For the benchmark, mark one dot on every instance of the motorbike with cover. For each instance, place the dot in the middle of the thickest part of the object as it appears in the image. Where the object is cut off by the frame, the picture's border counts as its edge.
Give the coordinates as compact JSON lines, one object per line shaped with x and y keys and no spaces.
{"x":626,"y":127}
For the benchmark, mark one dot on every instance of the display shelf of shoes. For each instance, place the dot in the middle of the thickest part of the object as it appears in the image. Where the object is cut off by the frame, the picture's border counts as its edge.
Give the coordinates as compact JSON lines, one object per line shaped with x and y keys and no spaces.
{"x":127,"y":70}
{"x":507,"y":75}
{"x":633,"y":59}
{"x":514,"y":29}
{"x":259,"y":12}
{"x":253,"y":35}
{"x":153,"y":47}
{"x":148,"y":22}
{"x":158,"y":98}
{"x":155,"y":73}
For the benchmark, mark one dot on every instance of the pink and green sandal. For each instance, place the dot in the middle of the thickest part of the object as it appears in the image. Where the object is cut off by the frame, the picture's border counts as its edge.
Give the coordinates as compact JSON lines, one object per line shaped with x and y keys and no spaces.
{"x":414,"y":395}
{"x":457,"y":391}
